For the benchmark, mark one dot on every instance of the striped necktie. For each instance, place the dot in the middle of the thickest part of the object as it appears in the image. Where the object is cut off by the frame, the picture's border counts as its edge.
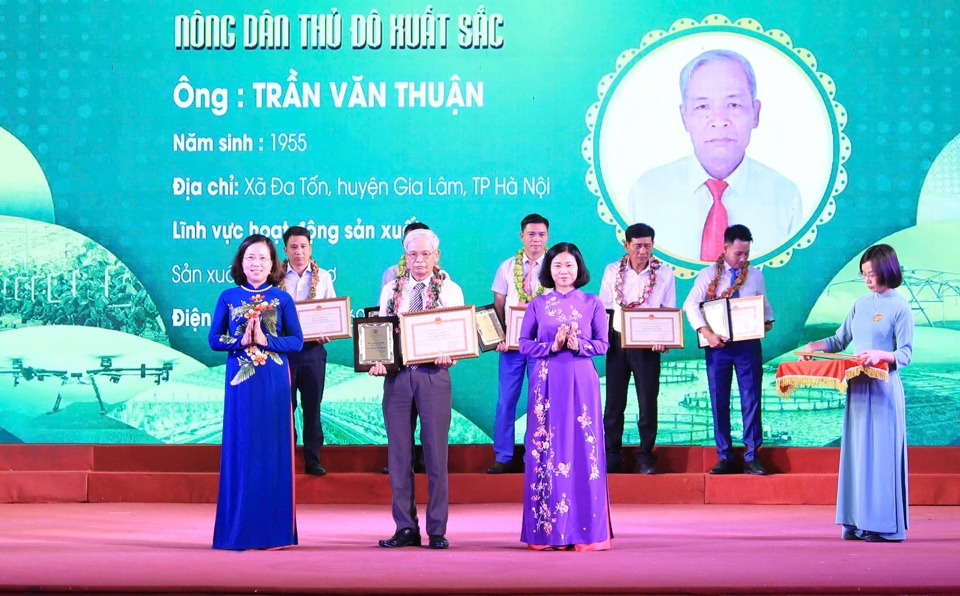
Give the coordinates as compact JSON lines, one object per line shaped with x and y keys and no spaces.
{"x":416,"y":303}
{"x":416,"y":299}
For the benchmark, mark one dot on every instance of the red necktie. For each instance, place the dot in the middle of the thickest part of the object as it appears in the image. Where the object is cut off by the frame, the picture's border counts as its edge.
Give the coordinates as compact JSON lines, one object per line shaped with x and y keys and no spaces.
{"x":711,"y":243}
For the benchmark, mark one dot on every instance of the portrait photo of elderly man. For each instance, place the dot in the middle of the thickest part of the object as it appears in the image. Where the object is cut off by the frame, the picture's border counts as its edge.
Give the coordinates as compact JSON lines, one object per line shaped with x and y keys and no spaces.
{"x":692,"y":201}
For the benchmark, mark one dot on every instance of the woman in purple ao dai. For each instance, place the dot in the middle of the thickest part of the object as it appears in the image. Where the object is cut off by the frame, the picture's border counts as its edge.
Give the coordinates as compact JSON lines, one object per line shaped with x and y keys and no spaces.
{"x":566,"y":503}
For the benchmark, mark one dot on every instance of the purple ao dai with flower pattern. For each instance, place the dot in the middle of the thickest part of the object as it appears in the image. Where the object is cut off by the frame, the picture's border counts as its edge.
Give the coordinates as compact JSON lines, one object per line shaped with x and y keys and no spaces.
{"x":565,"y":491}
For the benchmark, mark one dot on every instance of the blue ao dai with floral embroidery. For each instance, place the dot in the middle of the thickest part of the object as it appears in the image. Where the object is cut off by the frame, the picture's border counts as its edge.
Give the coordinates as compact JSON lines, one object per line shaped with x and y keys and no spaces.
{"x":255,"y":503}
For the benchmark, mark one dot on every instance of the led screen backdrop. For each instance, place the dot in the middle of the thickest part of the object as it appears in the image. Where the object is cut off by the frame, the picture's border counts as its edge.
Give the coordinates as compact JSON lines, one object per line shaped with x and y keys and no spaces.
{"x":140,"y":142}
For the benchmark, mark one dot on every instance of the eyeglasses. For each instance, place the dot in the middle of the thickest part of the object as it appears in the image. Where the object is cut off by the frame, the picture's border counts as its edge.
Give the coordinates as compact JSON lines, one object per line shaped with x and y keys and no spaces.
{"x":870,"y":275}
{"x":256,"y":259}
{"x":413,"y":256}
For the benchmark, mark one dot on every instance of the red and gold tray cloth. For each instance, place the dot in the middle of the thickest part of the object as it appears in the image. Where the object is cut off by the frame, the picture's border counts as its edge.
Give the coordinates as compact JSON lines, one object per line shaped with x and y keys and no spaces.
{"x":834,"y":372}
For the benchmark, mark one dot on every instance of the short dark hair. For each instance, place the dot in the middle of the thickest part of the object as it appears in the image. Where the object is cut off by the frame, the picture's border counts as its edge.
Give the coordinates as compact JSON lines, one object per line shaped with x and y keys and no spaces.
{"x":236,"y":268}
{"x":583,"y":276}
{"x":638,"y":230}
{"x":533,"y":218}
{"x":295,"y":231}
{"x":414,"y":225}
{"x":737,"y":232}
{"x":885,"y":265}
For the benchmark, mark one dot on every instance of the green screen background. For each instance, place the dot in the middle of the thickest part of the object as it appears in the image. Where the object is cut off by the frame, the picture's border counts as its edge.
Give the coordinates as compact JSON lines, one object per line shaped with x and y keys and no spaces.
{"x":99,"y":298}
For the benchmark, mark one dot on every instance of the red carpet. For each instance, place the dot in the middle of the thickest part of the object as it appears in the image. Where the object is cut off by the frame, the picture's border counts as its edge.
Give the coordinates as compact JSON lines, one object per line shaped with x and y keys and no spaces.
{"x":122,"y":548}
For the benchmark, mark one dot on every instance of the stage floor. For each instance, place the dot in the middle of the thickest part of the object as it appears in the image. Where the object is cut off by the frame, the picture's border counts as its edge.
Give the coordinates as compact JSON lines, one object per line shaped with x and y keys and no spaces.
{"x":135,"y":548}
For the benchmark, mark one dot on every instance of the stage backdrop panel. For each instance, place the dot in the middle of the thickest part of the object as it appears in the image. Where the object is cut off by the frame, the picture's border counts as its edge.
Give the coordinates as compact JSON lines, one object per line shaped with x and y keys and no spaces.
{"x":141,"y":142}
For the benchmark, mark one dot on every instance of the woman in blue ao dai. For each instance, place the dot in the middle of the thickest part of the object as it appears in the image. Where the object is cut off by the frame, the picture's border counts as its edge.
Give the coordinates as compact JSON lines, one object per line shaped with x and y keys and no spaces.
{"x":256,"y":324}
{"x":872,"y":502}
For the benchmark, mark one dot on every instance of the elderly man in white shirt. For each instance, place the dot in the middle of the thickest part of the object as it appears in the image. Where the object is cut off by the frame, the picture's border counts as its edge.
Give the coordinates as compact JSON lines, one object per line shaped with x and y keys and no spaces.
{"x":692,"y":200}
{"x":422,"y":390}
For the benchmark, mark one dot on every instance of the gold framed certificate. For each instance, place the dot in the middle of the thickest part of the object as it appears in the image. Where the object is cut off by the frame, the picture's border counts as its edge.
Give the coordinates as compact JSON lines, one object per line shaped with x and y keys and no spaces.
{"x":489,"y":329}
{"x":646,"y":327}
{"x":716,"y":313}
{"x":325,"y":317}
{"x":746,"y":318}
{"x":376,"y":341}
{"x":425,"y":335}
{"x":514,"y":322}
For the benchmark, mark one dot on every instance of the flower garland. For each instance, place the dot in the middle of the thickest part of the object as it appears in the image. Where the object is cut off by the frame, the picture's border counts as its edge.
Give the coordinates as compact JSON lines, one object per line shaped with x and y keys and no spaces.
{"x":518,"y":279}
{"x":433,"y":291}
{"x":402,"y":265}
{"x":647,"y":290}
{"x":742,"y":277}
{"x":314,"y":276}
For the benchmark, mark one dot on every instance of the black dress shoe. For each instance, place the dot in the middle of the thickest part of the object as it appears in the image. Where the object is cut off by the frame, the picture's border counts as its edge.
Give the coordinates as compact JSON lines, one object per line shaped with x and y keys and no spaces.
{"x":754,"y":467}
{"x":851,"y":535}
{"x":438,"y":542}
{"x":385,"y":470}
{"x":404,"y":537}
{"x":498,"y":468}
{"x":724,"y":466}
{"x":645,"y":468}
{"x":315,"y":470}
{"x":874,"y":537}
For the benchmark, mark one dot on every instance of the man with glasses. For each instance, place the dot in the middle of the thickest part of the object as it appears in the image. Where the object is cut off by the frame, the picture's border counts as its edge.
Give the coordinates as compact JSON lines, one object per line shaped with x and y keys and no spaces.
{"x":305,"y":280}
{"x":422,"y":390}
{"x":389,"y":275}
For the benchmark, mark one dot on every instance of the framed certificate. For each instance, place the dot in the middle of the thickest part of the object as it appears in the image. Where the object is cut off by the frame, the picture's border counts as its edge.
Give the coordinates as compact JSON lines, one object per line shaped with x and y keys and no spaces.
{"x":489,"y":328}
{"x":716,"y":313}
{"x":746,"y":318}
{"x":514,"y":321}
{"x":376,"y":340}
{"x":426,"y":335}
{"x":371,"y":311}
{"x":645,"y":327}
{"x":325,"y":317}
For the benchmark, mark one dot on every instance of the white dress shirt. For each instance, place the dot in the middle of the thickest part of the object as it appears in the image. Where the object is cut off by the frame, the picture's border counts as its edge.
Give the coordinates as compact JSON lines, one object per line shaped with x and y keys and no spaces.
{"x":752,"y":286}
{"x":663,"y":294}
{"x":674,"y":200}
{"x":450,"y":295}
{"x":298,"y":286}
{"x":505,"y":284}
